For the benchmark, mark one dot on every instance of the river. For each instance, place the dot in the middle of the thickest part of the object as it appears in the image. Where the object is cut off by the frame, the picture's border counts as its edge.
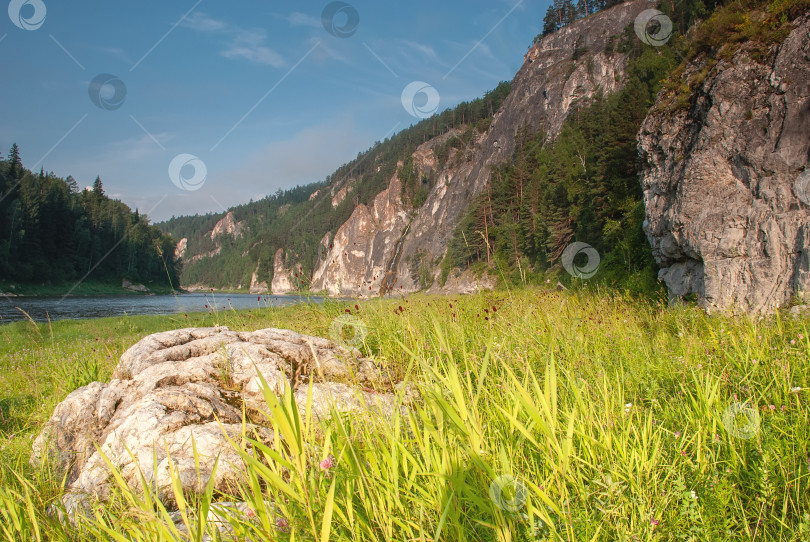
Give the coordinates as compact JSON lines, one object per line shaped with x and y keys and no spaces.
{"x":58,"y":308}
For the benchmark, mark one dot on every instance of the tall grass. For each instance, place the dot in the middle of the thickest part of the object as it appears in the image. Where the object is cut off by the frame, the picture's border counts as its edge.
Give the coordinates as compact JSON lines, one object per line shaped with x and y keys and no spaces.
{"x":540,"y":416}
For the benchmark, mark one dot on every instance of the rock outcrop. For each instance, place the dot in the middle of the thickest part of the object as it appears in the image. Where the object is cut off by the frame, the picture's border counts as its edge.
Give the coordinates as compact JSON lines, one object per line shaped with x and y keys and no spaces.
{"x":227,"y":226}
{"x":363,"y":245}
{"x":180,"y":249}
{"x":178,"y":390}
{"x":284,"y":278}
{"x":726,"y":180}
{"x":134,"y":286}
{"x":258,"y":286}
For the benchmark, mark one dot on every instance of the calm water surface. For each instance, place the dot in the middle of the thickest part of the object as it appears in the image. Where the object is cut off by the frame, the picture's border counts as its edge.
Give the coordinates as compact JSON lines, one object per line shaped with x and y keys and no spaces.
{"x":57,"y":308}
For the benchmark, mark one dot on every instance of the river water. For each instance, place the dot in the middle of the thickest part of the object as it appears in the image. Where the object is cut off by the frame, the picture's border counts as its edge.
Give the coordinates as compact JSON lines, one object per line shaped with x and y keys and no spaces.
{"x":58,"y":308}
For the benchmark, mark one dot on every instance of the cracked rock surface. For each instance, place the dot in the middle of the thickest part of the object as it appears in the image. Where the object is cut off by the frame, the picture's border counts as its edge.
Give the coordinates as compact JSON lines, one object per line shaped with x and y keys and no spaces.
{"x":179,"y":389}
{"x":727,"y":181}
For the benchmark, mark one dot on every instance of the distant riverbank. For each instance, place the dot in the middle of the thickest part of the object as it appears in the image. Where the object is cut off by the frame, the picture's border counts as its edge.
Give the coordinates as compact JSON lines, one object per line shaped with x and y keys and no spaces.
{"x":76,"y":288}
{"x":45,"y":308}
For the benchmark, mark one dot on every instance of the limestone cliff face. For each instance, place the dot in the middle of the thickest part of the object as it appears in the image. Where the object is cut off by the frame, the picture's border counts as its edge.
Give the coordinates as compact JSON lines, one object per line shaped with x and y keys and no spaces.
{"x":726,"y":181}
{"x":363,"y":246}
{"x":283,"y":277}
{"x":387,"y":247}
{"x":227,"y":226}
{"x":180,"y":249}
{"x":257,"y":286}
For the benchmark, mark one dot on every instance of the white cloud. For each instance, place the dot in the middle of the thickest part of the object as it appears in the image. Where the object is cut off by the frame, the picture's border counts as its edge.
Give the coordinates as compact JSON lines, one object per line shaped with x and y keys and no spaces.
{"x":249,"y":45}
{"x":422,"y":49}
{"x":201,"y":22}
{"x":303,"y":19}
{"x":245,"y":44}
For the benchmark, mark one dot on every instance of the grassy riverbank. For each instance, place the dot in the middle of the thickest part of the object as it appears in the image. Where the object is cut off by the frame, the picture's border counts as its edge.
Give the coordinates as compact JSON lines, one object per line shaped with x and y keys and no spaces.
{"x":84,"y":288}
{"x":606,"y":414}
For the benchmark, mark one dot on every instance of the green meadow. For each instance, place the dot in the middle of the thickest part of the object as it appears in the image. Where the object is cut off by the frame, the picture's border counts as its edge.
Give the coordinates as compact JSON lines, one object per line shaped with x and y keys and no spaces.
{"x":540,"y":415}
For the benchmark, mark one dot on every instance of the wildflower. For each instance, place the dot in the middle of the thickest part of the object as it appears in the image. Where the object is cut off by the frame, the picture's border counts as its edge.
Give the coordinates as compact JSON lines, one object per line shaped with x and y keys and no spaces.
{"x":772,"y":407}
{"x":654,"y":522}
{"x":754,"y":361}
{"x":694,"y":495}
{"x":677,"y":434}
{"x":250,"y":513}
{"x":357,"y":307}
{"x":627,"y":407}
{"x":792,"y":341}
{"x":349,"y":311}
{"x":797,"y":389}
{"x":801,"y":337}
{"x":328,"y":463}
{"x":784,"y":408}
{"x":283,"y":525}
{"x":683,"y":453}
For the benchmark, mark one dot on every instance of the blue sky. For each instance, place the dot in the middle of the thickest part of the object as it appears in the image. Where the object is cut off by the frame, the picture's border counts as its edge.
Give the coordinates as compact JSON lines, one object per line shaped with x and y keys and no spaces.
{"x":260,"y":92}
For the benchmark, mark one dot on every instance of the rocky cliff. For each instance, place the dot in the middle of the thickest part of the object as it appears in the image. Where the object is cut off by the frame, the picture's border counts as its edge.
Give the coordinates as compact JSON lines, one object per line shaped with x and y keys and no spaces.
{"x":227,"y":226}
{"x":725,"y":179}
{"x":285,"y":279}
{"x":388,"y":246}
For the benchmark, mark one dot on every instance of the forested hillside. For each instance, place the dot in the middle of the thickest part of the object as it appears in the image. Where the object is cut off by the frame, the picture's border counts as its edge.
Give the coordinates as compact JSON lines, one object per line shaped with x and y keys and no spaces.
{"x":581,"y":186}
{"x":297,"y":219}
{"x":53,"y":232}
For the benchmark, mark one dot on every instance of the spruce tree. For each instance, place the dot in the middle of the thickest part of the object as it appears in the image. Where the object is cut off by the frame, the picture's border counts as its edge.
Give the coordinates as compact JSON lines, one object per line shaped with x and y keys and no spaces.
{"x":14,"y":161}
{"x":98,"y":187}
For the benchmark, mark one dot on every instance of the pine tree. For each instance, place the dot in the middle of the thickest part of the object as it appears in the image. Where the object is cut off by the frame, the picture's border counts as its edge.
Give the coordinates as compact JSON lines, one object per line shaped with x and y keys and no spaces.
{"x":550,"y":21}
{"x":569,"y":12}
{"x":584,"y":8}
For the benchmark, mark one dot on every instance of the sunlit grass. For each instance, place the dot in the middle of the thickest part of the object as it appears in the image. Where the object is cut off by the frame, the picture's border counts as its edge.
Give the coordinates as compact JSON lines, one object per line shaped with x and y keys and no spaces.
{"x":541,"y":415}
